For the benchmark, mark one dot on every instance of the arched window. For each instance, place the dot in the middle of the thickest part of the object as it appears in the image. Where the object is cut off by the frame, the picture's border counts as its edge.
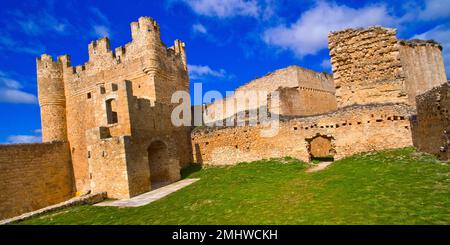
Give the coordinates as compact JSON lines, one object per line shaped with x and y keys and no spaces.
{"x":111,"y":111}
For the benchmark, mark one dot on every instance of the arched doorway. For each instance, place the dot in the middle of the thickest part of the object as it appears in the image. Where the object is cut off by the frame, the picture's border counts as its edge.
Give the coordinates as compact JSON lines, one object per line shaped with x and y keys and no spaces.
{"x":159,"y":164}
{"x":321,"y":148}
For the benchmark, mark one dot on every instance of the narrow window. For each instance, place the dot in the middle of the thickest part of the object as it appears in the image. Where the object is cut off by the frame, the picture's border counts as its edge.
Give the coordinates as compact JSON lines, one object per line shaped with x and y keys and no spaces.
{"x":111,"y":111}
{"x":89,"y":95}
{"x":113,"y":87}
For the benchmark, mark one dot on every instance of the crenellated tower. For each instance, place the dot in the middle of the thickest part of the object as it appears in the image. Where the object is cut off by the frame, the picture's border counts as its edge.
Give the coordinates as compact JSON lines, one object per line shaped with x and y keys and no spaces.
{"x":52,"y":100}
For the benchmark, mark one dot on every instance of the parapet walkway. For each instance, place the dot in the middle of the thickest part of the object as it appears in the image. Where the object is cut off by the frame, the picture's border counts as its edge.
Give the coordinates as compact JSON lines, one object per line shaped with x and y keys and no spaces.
{"x":149,"y":197}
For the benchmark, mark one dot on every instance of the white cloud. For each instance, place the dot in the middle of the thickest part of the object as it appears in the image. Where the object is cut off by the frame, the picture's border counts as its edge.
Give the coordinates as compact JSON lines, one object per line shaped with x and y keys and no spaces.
{"x":9,"y":83}
{"x":435,"y":9}
{"x":224,"y":8}
{"x":326,"y":64}
{"x":101,"y":31}
{"x":10,"y":91}
{"x":100,"y":24}
{"x":199,"y":28}
{"x":20,"y":139}
{"x":16,"y":96}
{"x":12,"y":45}
{"x":309,"y":33}
{"x":39,"y":23}
{"x":440,"y":34}
{"x":99,"y":15}
{"x":200,"y":71}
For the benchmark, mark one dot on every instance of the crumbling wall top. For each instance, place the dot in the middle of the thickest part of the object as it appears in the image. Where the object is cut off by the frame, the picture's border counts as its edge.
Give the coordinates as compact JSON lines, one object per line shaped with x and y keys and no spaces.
{"x":418,"y":42}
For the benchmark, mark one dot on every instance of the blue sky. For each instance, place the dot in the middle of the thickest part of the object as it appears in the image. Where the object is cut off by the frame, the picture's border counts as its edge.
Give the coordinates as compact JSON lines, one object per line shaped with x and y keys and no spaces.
{"x":229,"y":42}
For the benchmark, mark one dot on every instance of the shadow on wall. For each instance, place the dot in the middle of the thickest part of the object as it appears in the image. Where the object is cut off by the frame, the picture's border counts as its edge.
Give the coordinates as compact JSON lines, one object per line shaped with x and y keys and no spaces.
{"x":198,"y":154}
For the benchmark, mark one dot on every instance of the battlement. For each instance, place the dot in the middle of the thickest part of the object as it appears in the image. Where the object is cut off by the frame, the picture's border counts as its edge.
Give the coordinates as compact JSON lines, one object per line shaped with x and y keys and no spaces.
{"x":420,"y":43}
{"x":365,"y":30}
{"x":99,"y":47}
{"x":144,"y":25}
{"x":146,"y":43}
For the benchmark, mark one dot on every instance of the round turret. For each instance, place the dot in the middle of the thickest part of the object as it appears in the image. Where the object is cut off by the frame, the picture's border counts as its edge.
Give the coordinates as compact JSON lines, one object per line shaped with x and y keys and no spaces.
{"x":51,"y":99}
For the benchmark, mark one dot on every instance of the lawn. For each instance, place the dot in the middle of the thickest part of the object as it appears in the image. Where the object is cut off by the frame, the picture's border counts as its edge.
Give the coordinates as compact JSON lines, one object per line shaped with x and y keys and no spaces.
{"x":391,"y":187}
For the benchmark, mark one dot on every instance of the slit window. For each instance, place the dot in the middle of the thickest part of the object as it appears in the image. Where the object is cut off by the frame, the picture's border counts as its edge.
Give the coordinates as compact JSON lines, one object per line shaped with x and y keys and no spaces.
{"x":111,"y":111}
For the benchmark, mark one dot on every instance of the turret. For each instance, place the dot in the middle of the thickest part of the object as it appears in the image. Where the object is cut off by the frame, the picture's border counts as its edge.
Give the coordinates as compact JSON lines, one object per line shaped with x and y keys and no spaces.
{"x":52,"y":100}
{"x":145,"y":31}
{"x":179,"y":48}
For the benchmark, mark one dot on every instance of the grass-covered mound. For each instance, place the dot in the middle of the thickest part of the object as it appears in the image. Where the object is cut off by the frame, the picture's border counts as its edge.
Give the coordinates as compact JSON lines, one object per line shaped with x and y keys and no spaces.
{"x":390,"y":187}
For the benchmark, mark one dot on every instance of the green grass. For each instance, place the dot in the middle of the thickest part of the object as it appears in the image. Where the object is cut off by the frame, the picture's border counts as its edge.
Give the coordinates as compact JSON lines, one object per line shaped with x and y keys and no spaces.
{"x":390,"y":187}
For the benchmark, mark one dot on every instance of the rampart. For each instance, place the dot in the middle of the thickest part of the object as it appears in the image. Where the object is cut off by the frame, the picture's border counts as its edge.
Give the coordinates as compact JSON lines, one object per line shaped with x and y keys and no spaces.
{"x":301,"y":91}
{"x":350,"y":130}
{"x":432,"y":126}
{"x":34,"y":176}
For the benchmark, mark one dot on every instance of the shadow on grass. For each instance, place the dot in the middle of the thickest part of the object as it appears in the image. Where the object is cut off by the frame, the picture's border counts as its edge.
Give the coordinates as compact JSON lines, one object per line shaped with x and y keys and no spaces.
{"x":189,"y":170}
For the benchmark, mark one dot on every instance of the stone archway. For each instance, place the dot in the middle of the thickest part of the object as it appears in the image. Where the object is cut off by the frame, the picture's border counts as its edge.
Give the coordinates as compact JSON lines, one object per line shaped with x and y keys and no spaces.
{"x":164,"y":168}
{"x":321,"y":147}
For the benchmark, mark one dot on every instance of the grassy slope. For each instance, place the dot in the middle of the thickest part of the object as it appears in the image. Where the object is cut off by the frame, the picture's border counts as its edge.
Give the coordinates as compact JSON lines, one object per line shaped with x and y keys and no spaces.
{"x":390,"y":187}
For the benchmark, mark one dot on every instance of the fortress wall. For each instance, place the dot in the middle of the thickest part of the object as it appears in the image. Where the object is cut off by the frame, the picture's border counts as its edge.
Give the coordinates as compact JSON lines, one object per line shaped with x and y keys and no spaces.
{"x":33,"y":176}
{"x":432,"y":129}
{"x":300,"y":88}
{"x":353,"y":130}
{"x":366,"y":66}
{"x":422,"y":65}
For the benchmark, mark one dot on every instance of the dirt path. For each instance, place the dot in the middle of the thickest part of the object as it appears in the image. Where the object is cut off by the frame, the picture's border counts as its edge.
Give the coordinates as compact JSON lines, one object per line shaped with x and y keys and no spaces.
{"x":318,"y":167}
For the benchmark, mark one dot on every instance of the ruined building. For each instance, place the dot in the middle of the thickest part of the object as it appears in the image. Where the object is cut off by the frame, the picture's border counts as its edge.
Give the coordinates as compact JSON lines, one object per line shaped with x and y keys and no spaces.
{"x":377,"y":79}
{"x":302,"y":92}
{"x":106,"y":124}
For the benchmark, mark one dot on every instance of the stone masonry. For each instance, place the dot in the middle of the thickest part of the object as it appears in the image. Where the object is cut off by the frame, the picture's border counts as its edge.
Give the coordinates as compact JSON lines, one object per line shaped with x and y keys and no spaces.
{"x":372,"y":66}
{"x":302,"y":92}
{"x":106,"y":124}
{"x":432,"y":125}
{"x":114,"y":108}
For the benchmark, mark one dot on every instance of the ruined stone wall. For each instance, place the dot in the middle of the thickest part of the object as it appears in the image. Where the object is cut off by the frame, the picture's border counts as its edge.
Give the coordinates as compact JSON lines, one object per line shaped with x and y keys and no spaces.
{"x":33,"y":176}
{"x":306,"y":101}
{"x":352,"y":129}
{"x":366,"y":66}
{"x":303,"y":92}
{"x":432,"y":128}
{"x":153,"y":70}
{"x":422,"y":65}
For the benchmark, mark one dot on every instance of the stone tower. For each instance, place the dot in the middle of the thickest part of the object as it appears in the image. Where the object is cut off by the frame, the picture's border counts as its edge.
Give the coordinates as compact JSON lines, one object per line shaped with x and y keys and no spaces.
{"x":115,"y":112}
{"x":370,"y":65}
{"x":52,"y":99}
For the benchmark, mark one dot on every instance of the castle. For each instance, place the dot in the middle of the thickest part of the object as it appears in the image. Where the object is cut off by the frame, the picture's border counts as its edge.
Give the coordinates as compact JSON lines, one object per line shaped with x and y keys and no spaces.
{"x":106,"y":124}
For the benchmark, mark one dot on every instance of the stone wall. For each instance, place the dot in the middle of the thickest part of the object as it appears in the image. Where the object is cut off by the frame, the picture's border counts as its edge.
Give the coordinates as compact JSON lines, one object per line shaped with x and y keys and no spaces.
{"x":302,"y":92}
{"x":366,"y":66}
{"x":33,"y":176}
{"x":422,"y":65}
{"x":371,"y":66}
{"x":352,"y":129}
{"x":432,"y":128}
